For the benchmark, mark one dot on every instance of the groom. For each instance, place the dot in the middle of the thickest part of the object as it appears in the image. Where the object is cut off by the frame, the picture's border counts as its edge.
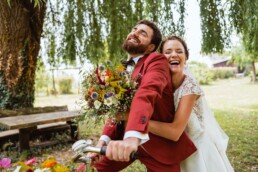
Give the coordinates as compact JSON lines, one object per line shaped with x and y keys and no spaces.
{"x":153,"y":100}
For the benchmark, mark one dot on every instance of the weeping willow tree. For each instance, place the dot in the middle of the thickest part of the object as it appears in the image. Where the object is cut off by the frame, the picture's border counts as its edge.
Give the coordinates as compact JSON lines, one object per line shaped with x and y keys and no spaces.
{"x":21,"y":24}
{"x":244,"y":16}
{"x":95,"y":29}
{"x":79,"y":30}
{"x":214,"y":26}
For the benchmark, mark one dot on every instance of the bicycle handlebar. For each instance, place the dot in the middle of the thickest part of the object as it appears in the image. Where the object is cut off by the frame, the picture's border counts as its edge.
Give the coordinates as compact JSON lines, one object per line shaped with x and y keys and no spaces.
{"x":98,"y":150}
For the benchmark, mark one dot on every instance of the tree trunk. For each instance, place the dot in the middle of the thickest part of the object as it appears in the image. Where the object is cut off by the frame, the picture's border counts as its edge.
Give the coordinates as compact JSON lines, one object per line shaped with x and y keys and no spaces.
{"x":21,"y":26}
{"x":253,"y":72}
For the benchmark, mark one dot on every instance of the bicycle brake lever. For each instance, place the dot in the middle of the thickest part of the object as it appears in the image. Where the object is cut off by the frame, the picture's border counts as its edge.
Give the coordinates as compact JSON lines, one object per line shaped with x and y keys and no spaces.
{"x":80,"y":144}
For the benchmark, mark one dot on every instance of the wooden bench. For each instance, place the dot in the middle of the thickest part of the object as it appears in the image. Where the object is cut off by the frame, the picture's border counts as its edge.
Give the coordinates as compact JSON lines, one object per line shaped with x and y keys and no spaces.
{"x":42,"y":130}
{"x":29,"y":126}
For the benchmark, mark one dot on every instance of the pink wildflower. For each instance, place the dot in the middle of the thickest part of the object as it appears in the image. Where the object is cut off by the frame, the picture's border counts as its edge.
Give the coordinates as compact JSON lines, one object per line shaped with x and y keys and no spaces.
{"x":30,"y":162}
{"x":5,"y":163}
{"x":80,"y":168}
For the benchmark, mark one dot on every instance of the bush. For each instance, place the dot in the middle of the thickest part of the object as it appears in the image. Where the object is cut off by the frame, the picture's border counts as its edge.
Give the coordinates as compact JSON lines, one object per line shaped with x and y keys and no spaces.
{"x":201,"y":72}
{"x":223,"y":72}
{"x":65,"y":85}
{"x":42,"y":80}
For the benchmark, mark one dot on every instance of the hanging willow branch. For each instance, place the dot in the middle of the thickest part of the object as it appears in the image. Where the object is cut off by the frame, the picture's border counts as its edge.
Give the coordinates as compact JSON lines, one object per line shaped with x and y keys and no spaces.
{"x":212,"y":25}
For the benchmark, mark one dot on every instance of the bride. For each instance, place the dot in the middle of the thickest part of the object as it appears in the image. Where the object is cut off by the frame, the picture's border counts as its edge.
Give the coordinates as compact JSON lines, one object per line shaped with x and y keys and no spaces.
{"x":193,"y":115}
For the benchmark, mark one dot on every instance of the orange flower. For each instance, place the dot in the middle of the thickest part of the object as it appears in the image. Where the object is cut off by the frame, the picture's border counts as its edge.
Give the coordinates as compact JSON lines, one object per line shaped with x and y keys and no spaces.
{"x":91,"y":90}
{"x":109,"y":73}
{"x":49,"y":163}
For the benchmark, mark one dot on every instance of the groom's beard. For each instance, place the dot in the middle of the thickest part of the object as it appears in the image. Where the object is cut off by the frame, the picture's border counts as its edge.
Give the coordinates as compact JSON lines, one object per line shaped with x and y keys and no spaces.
{"x":132,"y":48}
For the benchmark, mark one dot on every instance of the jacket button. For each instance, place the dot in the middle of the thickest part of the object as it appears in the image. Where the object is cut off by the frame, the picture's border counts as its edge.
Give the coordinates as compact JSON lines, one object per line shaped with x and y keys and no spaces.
{"x":143,"y":119}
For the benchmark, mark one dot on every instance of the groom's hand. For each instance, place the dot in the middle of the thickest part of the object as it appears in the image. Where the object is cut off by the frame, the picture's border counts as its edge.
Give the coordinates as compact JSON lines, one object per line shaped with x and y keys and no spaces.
{"x":121,"y":150}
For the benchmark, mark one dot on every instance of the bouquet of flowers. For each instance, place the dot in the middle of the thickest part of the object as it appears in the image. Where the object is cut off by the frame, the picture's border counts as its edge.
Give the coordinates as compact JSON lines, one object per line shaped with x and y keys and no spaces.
{"x":108,"y":92}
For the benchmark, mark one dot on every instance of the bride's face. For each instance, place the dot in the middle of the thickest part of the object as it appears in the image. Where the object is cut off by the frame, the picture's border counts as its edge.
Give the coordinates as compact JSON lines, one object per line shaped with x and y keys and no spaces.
{"x":175,"y":53}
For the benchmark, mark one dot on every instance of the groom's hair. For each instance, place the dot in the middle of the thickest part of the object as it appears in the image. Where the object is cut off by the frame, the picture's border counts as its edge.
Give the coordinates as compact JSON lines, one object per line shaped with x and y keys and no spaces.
{"x":174,"y":37}
{"x":156,"y":37}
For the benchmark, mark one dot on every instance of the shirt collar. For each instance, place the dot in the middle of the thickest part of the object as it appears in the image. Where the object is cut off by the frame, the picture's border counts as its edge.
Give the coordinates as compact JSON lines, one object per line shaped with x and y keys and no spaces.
{"x":136,"y":59}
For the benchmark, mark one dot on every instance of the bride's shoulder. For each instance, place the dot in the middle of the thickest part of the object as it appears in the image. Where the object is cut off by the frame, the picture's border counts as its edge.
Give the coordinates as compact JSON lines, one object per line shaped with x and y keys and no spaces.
{"x":190,"y":86}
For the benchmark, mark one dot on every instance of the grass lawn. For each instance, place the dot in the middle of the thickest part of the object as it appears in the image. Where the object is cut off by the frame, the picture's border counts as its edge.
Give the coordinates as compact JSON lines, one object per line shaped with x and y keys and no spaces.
{"x":235,"y":104}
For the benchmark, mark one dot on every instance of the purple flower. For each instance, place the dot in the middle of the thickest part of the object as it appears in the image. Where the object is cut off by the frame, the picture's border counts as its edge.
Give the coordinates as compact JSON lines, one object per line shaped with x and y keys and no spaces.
{"x":139,"y":77}
{"x":94,"y":95}
{"x":122,"y":73}
{"x":5,"y":163}
{"x":101,"y":68}
{"x":108,"y":94}
{"x":108,"y":62}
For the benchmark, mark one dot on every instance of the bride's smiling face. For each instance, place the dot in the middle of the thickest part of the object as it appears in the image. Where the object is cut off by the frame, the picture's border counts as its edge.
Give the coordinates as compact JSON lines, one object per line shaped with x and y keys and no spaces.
{"x":175,"y":53}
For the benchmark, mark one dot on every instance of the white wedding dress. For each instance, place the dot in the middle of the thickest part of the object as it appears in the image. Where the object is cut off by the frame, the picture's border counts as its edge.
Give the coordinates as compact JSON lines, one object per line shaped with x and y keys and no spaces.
{"x":206,"y":134}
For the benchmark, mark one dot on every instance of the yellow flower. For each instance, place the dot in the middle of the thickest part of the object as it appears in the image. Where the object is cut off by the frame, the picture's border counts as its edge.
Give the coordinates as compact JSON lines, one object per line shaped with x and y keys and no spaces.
{"x":114,"y":82}
{"x":101,"y":95}
{"x":60,"y":168}
{"x":121,"y":92}
{"x":118,"y":89}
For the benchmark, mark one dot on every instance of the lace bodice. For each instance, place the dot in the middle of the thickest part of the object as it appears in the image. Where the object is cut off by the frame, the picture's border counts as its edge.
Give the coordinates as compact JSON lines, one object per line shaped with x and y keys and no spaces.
{"x":195,"y":126}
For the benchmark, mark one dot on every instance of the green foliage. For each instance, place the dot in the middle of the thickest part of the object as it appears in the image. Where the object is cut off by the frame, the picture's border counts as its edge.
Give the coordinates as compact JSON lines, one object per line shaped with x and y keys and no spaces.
{"x":201,"y":72}
{"x":42,"y":78}
{"x":239,"y":56}
{"x":243,"y":15}
{"x":223,"y":72}
{"x":4,"y":93}
{"x":214,"y":26}
{"x":65,"y":85}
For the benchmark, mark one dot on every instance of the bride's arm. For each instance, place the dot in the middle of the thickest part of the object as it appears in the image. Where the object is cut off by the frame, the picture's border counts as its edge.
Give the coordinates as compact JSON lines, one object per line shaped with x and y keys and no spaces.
{"x":175,"y":129}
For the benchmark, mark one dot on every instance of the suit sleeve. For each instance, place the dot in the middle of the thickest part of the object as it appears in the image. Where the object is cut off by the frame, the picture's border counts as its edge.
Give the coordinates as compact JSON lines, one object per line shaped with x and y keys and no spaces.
{"x":154,"y":81}
{"x":112,"y":130}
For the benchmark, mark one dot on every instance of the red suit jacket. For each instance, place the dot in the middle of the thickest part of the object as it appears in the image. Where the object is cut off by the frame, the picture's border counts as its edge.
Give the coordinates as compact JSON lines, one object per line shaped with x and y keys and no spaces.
{"x":154,"y":100}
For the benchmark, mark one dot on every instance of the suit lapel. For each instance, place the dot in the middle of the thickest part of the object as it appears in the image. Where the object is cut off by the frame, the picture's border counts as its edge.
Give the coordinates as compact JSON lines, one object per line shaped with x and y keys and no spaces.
{"x":139,"y":66}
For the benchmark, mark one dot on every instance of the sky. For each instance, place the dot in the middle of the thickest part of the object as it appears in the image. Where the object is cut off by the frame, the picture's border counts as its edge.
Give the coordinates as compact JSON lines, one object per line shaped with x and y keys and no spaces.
{"x":193,"y":28}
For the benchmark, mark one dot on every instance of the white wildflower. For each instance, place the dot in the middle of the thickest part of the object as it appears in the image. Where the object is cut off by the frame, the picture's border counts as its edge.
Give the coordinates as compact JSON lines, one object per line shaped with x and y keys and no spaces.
{"x":108,"y":101}
{"x":97,"y":104}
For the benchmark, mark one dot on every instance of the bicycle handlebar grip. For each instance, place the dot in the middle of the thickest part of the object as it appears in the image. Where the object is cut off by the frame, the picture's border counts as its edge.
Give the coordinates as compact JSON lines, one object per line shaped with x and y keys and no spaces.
{"x":103,"y":150}
{"x":133,"y":155}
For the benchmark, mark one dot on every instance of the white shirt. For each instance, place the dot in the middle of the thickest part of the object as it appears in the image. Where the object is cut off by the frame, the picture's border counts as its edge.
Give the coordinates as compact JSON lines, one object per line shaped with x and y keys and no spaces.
{"x":144,"y":137}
